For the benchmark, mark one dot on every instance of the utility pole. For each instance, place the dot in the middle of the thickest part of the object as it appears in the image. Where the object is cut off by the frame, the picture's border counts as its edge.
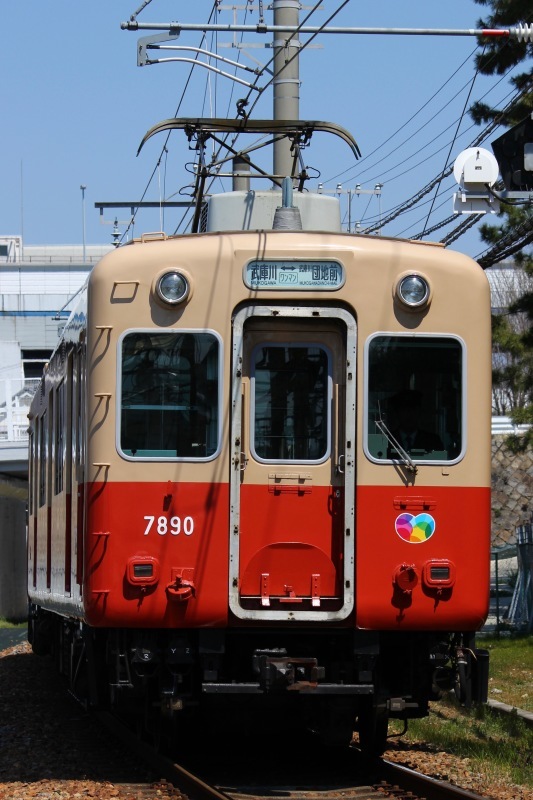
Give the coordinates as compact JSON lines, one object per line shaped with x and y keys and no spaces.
{"x":82,"y":187}
{"x":286,"y":77}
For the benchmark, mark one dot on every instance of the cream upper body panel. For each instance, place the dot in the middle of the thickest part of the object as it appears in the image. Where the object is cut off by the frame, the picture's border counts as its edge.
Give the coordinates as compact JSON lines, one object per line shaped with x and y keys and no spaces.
{"x":121,"y":298}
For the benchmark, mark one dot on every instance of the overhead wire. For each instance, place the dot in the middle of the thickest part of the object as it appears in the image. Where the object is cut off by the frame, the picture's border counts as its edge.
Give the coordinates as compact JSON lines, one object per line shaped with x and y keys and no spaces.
{"x":402,"y":207}
{"x":232,"y":88}
{"x":448,"y":171}
{"x":416,"y":132}
{"x":244,"y":102}
{"x":508,"y":244}
{"x":164,"y":147}
{"x":444,"y":222}
{"x":381,"y":176}
{"x":453,"y":141}
{"x":398,"y":130}
{"x":462,"y":228}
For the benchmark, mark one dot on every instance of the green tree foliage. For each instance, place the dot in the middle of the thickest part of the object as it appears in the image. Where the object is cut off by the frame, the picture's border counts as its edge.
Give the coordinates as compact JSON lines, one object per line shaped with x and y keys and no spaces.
{"x":512,"y":329}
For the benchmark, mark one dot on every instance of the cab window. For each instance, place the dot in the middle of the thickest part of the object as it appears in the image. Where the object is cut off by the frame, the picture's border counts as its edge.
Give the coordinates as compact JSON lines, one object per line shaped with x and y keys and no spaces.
{"x":169,"y":405}
{"x":415,"y":398}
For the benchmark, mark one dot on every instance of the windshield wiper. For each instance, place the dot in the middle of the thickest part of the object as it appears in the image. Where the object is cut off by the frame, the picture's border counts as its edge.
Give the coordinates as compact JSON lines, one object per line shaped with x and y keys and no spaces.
{"x":395,"y":444}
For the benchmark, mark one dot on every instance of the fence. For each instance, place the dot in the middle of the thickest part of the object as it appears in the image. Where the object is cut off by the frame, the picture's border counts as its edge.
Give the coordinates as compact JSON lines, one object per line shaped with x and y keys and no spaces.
{"x":15,"y":399}
{"x":512,"y":584}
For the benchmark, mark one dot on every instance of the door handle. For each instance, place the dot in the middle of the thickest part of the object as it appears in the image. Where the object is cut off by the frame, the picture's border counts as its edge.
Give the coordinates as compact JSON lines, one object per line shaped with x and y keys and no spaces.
{"x":339,"y":468}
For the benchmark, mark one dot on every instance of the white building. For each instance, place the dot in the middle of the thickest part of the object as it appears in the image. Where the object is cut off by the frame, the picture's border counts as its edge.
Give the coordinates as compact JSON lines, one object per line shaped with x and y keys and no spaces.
{"x":37,"y":288}
{"x":38,"y":285}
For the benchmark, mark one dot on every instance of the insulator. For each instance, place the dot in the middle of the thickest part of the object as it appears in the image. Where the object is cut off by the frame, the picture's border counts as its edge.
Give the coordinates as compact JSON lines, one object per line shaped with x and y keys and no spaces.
{"x":523,"y":32}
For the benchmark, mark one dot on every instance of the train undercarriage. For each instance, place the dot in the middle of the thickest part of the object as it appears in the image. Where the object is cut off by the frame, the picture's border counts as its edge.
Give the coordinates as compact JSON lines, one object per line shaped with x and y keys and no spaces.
{"x":262,"y":681}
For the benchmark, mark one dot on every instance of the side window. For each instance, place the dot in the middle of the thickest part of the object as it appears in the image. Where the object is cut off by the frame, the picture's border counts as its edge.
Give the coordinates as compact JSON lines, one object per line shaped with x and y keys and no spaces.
{"x":31,"y":471}
{"x":79,"y":433}
{"x":169,"y":405}
{"x":290,"y":391}
{"x":414,"y":397}
{"x":42,"y":456}
{"x":59,"y":438}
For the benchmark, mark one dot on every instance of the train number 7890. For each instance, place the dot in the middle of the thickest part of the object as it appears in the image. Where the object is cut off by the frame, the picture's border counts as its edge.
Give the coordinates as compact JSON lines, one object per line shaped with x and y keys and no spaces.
{"x":174,"y":525}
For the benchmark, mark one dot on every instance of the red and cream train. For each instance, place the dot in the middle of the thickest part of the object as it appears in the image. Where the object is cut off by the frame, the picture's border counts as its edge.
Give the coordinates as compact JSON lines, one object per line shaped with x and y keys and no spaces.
{"x":259,"y":475}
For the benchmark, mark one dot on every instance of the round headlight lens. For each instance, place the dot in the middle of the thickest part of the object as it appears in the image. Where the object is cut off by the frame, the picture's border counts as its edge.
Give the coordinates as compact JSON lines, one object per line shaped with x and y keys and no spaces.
{"x":413,"y":290}
{"x":172,"y":287}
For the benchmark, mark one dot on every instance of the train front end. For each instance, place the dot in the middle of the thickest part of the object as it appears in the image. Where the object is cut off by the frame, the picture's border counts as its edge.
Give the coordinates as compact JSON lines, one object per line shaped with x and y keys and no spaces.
{"x":288,"y":471}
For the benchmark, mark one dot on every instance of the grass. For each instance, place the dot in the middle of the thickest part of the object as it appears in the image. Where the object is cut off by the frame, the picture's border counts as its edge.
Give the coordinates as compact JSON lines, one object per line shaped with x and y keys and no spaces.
{"x":511,"y":670}
{"x":5,"y":623}
{"x":498,"y":746}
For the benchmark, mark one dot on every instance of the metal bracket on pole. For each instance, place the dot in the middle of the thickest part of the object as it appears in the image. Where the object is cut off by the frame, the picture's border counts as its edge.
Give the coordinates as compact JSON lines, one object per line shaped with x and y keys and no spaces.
{"x":145,"y":43}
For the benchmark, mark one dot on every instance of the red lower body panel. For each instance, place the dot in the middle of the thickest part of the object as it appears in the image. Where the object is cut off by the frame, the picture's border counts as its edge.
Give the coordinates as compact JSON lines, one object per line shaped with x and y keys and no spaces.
{"x":156,"y":555}
{"x":422,"y":558}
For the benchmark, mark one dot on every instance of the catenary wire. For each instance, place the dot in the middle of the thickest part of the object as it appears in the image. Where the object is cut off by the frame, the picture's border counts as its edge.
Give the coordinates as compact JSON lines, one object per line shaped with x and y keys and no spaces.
{"x":380,"y":176}
{"x":429,"y":186}
{"x":304,"y":45}
{"x":453,"y":142}
{"x":246,"y":100}
{"x":154,"y":171}
{"x":398,"y":130}
{"x":492,"y":58}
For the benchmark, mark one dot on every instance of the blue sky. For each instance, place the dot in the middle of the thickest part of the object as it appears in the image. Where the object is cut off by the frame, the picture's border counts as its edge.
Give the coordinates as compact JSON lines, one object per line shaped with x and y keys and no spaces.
{"x":76,"y":106}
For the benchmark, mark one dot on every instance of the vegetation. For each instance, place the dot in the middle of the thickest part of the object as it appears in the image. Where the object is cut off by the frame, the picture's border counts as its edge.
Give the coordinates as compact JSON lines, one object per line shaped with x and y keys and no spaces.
{"x":498,"y":746}
{"x":511,"y":670}
{"x":5,"y":623}
{"x":512,"y":329}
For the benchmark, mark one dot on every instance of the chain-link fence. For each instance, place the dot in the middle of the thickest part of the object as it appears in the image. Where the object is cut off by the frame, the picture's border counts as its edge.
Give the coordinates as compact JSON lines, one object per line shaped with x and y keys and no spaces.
{"x":511,"y":605}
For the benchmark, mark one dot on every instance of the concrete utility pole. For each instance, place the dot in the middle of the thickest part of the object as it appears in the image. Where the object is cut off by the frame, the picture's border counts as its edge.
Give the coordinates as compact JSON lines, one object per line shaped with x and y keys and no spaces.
{"x":287,"y":77}
{"x":82,"y":187}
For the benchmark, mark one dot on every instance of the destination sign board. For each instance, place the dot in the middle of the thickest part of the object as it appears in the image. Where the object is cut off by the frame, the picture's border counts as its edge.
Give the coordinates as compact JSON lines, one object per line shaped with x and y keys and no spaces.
{"x":292,"y":275}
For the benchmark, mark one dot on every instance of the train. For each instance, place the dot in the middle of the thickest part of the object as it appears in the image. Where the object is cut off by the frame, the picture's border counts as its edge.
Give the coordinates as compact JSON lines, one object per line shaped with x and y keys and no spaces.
{"x":259,"y":471}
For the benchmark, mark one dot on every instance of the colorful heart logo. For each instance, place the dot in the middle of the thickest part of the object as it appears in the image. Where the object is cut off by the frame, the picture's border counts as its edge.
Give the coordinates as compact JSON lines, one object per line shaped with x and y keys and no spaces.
{"x":415,"y":529}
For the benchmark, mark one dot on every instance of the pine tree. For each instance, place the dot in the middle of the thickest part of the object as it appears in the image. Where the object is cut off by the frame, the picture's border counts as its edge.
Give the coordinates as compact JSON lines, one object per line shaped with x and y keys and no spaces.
{"x":513,"y":340}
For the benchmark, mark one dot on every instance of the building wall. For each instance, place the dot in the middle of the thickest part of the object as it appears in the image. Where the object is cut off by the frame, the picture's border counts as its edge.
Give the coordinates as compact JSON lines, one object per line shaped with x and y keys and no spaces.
{"x":13,"y":598}
{"x":37,"y":285}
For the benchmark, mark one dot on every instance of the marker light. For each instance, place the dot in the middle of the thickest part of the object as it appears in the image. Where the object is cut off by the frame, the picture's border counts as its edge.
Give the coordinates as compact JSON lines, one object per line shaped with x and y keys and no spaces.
{"x":413,"y":291}
{"x":142,"y":571}
{"x":172,"y":287}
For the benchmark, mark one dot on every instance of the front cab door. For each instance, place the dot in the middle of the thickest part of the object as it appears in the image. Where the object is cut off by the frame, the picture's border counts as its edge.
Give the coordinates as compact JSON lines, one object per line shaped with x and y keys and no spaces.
{"x":293,"y":442}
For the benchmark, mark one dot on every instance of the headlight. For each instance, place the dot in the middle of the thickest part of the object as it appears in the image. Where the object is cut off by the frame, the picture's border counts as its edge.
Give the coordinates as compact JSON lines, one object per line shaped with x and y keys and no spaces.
{"x":172,"y":287}
{"x":413,"y":291}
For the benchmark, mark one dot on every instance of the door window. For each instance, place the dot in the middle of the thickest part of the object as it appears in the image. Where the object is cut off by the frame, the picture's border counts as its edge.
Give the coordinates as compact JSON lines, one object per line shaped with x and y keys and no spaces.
{"x":290,"y":403}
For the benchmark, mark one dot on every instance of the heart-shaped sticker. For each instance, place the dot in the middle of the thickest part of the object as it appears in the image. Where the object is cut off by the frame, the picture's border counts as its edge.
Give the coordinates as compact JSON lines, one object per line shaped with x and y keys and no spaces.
{"x":415,"y":530}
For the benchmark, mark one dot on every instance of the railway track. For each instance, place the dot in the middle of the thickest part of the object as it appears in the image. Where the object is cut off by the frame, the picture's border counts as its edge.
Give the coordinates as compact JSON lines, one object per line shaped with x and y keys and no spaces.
{"x":87,"y":761}
{"x":226,"y":775}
